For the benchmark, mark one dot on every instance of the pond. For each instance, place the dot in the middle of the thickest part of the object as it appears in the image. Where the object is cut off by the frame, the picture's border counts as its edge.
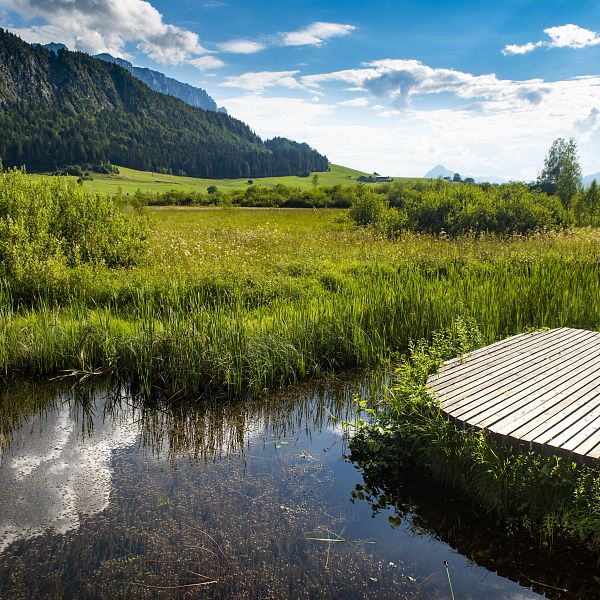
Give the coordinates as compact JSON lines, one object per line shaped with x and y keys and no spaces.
{"x":103,"y":496}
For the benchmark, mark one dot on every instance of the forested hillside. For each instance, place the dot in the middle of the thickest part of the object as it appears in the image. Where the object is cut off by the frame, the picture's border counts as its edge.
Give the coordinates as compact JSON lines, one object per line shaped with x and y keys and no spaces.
{"x":67,"y":108}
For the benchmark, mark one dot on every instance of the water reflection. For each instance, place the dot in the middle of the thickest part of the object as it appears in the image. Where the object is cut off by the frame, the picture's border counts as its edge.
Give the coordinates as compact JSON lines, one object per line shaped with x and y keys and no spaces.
{"x":58,"y":469}
{"x":104,"y":496}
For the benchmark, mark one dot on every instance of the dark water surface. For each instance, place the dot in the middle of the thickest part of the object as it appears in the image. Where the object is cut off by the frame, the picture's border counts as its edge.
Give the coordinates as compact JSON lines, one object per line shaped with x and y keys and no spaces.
{"x":103,"y":497}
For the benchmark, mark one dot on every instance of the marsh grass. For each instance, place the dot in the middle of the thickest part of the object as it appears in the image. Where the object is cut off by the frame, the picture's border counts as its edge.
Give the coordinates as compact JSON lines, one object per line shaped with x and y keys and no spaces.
{"x":234,"y":300}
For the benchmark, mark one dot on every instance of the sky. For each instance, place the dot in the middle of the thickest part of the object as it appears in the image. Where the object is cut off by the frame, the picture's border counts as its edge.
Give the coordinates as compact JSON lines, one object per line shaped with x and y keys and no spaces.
{"x":389,"y":86}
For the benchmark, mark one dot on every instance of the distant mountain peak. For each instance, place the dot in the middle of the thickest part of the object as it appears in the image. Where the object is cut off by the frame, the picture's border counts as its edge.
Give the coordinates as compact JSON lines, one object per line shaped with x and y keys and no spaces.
{"x":441,"y":171}
{"x":438,"y":171}
{"x":53,"y":47}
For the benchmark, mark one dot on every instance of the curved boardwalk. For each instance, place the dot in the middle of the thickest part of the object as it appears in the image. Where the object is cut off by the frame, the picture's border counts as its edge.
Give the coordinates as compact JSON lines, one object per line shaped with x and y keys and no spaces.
{"x":538,"y":389}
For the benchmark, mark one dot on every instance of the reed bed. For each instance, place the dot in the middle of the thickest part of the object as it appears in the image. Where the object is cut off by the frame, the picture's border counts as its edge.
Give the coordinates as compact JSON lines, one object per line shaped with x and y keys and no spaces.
{"x":237,"y":300}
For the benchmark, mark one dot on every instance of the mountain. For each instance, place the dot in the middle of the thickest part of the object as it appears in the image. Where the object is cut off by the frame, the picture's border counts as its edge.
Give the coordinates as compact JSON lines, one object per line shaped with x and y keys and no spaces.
{"x":66,"y":108}
{"x":441,"y":171}
{"x":156,"y":81}
{"x":438,"y":171}
{"x":53,"y":47}
{"x":587,"y":180}
{"x":167,"y":85}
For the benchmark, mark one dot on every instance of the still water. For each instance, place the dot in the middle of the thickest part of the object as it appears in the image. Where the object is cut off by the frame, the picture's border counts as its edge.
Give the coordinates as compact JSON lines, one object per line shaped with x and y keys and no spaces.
{"x":102,"y":496}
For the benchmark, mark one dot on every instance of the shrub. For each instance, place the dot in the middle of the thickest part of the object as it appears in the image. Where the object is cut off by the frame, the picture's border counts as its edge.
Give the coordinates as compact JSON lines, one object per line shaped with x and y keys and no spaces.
{"x":368,"y":207}
{"x":57,"y":222}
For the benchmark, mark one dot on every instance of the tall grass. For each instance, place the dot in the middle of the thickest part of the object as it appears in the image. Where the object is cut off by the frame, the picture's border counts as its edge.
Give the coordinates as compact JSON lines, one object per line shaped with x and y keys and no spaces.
{"x":247,"y":321}
{"x":234,"y":300}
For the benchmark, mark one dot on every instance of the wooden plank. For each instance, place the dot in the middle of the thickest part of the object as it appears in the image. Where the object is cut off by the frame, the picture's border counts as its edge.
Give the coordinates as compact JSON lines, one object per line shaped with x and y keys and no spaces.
{"x":564,"y":413}
{"x":527,"y":353}
{"x":472,"y":364}
{"x":536,"y":401}
{"x":584,"y":435}
{"x":577,"y":424}
{"x":517,"y":386}
{"x":541,"y":388}
{"x":510,"y":373}
{"x":502,"y":345}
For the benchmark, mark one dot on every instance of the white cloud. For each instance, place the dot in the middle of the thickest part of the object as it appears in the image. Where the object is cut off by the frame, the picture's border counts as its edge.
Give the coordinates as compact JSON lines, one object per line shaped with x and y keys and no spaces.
{"x":355,"y":102}
{"x":399,"y":80}
{"x":522,"y":48}
{"x":571,"y":36}
{"x":107,"y":26}
{"x":315,"y":34}
{"x":241,"y":46}
{"x":259,"y":80}
{"x":508,"y":137}
{"x":204,"y":63}
{"x":386,"y":114}
{"x":562,"y":36}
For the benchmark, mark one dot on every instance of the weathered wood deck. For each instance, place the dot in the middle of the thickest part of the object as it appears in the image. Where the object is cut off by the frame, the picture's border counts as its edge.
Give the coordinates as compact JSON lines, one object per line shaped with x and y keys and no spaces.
{"x":538,"y":389}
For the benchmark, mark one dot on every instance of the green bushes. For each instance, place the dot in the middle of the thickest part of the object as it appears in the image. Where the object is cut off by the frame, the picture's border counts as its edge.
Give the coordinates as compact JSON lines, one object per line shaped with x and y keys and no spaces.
{"x":430,"y":207}
{"x":49,"y":224}
{"x":455,"y":209}
{"x":368,"y":207}
{"x":406,"y":430}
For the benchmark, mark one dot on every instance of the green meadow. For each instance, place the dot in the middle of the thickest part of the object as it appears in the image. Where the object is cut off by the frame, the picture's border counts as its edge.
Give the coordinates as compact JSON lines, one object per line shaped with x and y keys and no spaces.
{"x":128,"y":181}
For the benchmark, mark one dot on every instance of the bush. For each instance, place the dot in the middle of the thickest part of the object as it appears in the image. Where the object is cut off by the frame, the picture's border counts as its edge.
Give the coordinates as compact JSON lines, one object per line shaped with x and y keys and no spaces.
{"x":368,"y":207}
{"x":57,"y":222}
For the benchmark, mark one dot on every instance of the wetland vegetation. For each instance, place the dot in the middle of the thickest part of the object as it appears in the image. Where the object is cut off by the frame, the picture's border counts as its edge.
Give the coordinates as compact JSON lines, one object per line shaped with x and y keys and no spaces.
{"x":179,"y":304}
{"x":231,"y":300}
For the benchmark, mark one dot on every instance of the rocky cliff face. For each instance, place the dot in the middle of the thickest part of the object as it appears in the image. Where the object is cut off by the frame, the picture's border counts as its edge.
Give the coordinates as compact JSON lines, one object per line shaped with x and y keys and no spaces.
{"x":159,"y":82}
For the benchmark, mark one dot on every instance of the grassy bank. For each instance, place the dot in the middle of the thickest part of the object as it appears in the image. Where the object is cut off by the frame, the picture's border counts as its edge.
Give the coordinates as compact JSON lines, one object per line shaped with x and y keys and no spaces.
{"x":232,"y":300}
{"x":407,"y":432}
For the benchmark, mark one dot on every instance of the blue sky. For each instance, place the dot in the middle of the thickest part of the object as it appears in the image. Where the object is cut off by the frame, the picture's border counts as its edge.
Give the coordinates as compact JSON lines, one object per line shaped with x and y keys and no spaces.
{"x":396,"y":87}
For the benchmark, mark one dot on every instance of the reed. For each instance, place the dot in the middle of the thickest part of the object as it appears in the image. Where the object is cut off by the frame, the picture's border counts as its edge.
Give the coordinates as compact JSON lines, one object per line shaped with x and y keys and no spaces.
{"x":237,"y":300}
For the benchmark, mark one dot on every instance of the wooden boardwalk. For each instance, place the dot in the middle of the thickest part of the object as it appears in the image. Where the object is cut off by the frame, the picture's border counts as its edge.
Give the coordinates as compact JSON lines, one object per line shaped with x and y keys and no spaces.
{"x":540,"y":389}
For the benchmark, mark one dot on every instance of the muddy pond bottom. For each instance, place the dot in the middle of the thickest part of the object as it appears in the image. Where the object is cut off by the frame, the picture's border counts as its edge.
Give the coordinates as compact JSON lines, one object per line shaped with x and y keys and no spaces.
{"x":105,"y":497}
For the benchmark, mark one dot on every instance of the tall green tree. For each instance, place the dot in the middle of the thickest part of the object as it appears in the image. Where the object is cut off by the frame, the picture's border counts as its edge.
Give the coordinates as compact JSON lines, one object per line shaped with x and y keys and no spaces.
{"x":561,"y":173}
{"x":588,"y":206}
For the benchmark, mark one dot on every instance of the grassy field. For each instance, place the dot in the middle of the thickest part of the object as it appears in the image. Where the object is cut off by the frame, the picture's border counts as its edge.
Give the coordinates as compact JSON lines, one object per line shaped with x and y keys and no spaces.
{"x":234,"y":300}
{"x":130,"y":180}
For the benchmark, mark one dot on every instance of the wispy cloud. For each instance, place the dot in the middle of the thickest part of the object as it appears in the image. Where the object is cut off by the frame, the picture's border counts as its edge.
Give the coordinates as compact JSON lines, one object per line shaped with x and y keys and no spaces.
{"x":241,"y":46}
{"x":355,"y":102}
{"x":257,"y":81}
{"x":562,"y":36}
{"x":315,"y":34}
{"x":205,"y":63}
{"x":521,"y":48}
